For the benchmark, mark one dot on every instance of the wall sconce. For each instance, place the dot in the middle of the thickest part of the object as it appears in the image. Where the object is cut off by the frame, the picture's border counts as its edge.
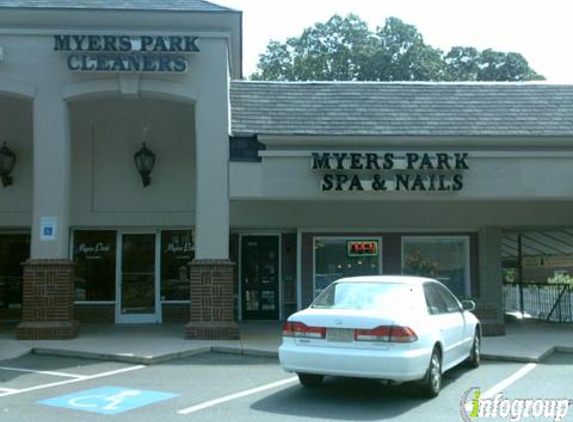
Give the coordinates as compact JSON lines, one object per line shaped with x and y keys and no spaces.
{"x":144,"y":162}
{"x":7,"y":162}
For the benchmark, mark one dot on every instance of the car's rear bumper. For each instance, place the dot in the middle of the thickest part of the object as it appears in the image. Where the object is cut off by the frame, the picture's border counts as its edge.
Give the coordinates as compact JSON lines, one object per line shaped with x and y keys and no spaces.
{"x":391,"y":364}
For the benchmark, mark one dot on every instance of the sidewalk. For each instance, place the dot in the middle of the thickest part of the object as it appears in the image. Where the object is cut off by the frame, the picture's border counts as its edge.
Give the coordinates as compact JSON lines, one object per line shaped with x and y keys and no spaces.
{"x":143,"y":344}
{"x":526,"y":341}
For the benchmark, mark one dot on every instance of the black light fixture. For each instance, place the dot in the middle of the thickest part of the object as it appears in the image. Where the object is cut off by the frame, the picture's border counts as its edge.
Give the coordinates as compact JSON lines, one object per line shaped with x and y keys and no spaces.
{"x":144,"y":161}
{"x":7,"y":162}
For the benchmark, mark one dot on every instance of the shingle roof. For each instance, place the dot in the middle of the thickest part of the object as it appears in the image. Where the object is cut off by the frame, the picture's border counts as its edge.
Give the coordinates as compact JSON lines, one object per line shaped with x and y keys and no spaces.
{"x":168,"y":5}
{"x":378,"y":109}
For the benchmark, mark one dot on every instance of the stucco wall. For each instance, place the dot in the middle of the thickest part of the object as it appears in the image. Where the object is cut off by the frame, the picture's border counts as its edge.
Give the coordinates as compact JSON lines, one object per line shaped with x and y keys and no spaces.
{"x":106,"y":187}
{"x":492,"y":174}
{"x":16,"y":131}
{"x":393,"y":215}
{"x":102,"y":114}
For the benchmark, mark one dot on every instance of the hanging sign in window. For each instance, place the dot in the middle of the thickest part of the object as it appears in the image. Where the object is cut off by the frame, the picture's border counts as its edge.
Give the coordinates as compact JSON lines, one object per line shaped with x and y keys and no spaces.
{"x":362,"y":248}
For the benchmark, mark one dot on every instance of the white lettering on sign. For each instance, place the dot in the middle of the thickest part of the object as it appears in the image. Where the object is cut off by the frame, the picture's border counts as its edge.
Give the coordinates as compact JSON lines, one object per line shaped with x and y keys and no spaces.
{"x":179,"y":248}
{"x":91,"y":249}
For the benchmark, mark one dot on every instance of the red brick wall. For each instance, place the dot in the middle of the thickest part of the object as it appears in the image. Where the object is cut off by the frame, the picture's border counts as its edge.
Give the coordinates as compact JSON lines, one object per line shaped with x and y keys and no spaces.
{"x":212,"y":302}
{"x":95,"y":312}
{"x":175,"y":312}
{"x":48,"y":291}
{"x":48,"y":300}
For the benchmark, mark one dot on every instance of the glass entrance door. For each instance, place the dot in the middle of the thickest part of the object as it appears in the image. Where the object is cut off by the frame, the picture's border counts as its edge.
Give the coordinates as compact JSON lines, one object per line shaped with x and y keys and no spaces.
{"x":138,"y":279}
{"x":260,"y":277}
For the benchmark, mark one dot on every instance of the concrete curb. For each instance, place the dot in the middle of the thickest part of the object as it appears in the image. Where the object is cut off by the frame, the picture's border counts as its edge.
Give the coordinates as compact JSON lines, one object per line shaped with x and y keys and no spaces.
{"x":152,"y":360}
{"x":241,"y":350}
{"x":514,"y":359}
{"x":527,"y":359}
{"x":123,"y":358}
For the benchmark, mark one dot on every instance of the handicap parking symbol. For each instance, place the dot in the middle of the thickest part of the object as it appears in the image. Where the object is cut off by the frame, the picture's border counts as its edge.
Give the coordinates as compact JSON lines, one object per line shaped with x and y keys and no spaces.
{"x":108,"y":400}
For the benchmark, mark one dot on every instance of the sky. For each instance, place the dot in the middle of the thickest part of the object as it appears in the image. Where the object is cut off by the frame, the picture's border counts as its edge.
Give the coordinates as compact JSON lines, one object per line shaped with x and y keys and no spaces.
{"x":542,"y":31}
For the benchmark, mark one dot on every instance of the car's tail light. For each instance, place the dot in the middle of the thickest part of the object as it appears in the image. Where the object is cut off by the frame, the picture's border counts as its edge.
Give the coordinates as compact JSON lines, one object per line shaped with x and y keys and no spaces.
{"x":381,"y":333}
{"x":400,"y":334}
{"x":392,"y":333}
{"x":300,"y":330}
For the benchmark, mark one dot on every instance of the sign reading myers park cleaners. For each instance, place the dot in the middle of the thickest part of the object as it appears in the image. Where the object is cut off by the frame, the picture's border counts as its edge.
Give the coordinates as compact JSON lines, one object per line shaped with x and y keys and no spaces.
{"x":127,"y":53}
{"x":388,"y":171}
{"x":108,"y":400}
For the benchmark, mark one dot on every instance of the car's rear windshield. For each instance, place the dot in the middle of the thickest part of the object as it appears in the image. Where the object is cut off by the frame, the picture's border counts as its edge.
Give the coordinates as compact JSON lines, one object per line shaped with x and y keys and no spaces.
{"x":367,"y":295}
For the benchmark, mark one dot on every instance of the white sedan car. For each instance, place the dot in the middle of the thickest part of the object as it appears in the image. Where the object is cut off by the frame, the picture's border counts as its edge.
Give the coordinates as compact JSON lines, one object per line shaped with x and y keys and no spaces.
{"x":393,"y":328}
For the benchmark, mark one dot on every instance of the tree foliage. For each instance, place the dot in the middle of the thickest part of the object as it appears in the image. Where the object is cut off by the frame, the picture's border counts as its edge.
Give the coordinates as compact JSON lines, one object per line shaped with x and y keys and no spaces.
{"x":344,"y":49}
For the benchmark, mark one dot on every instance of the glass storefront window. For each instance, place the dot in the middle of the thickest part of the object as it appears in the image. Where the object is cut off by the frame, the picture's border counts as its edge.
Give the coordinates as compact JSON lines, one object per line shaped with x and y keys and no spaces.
{"x":95,"y":258}
{"x":444,"y":258}
{"x":177,"y":251}
{"x":14,"y":250}
{"x":338,"y":257}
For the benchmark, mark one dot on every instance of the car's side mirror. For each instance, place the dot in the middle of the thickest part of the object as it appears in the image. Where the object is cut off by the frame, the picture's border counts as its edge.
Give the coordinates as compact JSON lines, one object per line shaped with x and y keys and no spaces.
{"x":468,"y":305}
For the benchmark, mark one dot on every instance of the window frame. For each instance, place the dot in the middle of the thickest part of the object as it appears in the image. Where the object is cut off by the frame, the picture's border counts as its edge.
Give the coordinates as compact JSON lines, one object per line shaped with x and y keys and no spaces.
{"x":72,"y":259}
{"x":160,"y":263}
{"x":119,"y":230}
{"x":345,"y":239}
{"x":428,"y":239}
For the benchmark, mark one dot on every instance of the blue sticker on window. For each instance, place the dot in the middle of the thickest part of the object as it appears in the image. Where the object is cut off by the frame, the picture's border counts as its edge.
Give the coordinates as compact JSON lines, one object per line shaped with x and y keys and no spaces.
{"x":108,"y":400}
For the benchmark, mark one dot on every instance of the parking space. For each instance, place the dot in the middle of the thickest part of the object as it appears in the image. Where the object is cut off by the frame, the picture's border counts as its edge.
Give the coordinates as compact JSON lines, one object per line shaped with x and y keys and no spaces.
{"x":551,"y":379}
{"x":242,"y":388}
{"x":32,"y":372}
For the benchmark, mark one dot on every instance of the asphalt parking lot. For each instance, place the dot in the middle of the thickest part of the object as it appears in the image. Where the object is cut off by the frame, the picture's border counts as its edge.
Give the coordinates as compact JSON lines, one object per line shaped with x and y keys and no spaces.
{"x":219,"y":387}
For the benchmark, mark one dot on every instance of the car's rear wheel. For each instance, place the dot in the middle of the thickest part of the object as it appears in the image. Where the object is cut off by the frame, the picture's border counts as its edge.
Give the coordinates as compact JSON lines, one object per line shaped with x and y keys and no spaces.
{"x":475,"y":354}
{"x":310,"y":380}
{"x":432,"y":381}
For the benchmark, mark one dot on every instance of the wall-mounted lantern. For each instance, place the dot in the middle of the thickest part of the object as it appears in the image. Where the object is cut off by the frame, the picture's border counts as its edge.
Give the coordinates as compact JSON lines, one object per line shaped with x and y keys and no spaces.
{"x":144,"y":162}
{"x":7,"y":162}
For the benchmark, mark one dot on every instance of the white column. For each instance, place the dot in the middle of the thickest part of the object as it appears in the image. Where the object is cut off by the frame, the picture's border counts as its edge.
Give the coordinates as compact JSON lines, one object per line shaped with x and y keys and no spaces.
{"x":50,"y":228}
{"x":212,"y":212}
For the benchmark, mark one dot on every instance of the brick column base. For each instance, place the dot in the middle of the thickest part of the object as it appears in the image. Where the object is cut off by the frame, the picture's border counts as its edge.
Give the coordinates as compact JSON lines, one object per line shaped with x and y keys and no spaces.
{"x":48,"y":301}
{"x":488,"y":314}
{"x":212,"y":316}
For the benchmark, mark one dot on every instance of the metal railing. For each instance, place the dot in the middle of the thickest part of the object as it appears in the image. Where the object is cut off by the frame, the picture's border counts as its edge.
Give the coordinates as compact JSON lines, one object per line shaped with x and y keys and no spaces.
{"x":550,"y":302}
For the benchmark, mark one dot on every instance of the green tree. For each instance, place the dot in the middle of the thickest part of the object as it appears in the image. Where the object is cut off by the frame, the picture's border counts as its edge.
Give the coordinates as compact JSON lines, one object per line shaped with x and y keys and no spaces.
{"x":402,"y":55}
{"x":336,"y":50}
{"x":512,"y":67}
{"x":462,"y":64}
{"x":344,"y":49}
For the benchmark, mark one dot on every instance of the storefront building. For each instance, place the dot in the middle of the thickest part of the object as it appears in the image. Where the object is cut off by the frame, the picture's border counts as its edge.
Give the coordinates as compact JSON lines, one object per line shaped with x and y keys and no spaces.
{"x":152,"y":185}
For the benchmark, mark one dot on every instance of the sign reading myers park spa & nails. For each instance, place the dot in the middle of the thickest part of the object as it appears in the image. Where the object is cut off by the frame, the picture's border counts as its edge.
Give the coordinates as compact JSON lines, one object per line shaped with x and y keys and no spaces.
{"x":388,"y":171}
{"x":127,"y":53}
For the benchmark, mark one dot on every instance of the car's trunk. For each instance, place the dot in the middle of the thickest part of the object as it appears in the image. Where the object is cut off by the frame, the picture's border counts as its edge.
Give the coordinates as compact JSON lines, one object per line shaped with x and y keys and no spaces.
{"x":341,"y":326}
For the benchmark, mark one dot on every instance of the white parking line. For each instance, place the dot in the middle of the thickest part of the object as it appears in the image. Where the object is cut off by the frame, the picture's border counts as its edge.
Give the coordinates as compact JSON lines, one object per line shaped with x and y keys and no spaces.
{"x":7,"y":390}
{"x":83,"y":378}
{"x":54,"y":373}
{"x":502,"y":385}
{"x":245,"y":393}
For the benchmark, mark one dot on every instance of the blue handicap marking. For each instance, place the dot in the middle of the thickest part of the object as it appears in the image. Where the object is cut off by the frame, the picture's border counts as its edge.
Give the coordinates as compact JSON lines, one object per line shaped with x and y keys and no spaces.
{"x":108,"y":400}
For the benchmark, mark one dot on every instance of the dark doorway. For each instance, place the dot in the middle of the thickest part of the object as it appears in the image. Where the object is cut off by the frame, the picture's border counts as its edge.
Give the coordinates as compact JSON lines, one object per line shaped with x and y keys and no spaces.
{"x":260,"y":277}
